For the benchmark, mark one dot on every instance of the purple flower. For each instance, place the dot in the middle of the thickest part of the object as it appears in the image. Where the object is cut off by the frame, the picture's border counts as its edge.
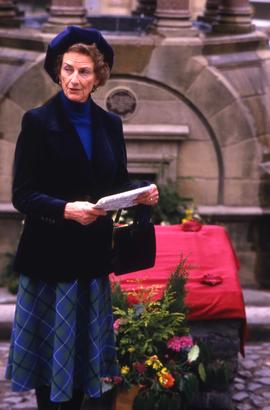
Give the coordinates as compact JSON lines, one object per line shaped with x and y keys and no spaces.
{"x":178,"y":343}
{"x":116,"y":324}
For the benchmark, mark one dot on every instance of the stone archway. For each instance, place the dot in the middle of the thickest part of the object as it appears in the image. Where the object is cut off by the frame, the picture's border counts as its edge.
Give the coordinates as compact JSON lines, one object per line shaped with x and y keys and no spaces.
{"x":232,"y":122}
{"x":30,"y":88}
{"x":161,"y":111}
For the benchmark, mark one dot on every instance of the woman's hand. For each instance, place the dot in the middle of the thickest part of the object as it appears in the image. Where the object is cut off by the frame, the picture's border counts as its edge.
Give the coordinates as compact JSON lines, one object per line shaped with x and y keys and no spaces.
{"x":82,"y":212}
{"x":148,"y":198}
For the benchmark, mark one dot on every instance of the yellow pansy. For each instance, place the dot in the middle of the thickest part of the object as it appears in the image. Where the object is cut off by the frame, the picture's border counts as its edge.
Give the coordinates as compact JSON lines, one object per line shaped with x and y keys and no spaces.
{"x":151,"y":360}
{"x":124,"y":370}
{"x":157,"y":365}
{"x":154,"y":362}
{"x":162,"y":380}
{"x":131,"y":349}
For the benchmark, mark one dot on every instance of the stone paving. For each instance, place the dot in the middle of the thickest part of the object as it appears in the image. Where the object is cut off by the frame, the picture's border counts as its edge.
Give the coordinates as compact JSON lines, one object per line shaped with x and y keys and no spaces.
{"x":10,"y":400}
{"x":251,"y":387}
{"x":252,"y":384}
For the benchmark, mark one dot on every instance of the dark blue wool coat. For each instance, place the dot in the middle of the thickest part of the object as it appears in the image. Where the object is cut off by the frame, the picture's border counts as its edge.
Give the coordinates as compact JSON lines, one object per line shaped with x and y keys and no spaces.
{"x":51,"y":168}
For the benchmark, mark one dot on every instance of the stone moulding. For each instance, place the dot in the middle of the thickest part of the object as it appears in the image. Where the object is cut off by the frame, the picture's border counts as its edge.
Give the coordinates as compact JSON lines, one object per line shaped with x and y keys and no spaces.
{"x":160,"y":161}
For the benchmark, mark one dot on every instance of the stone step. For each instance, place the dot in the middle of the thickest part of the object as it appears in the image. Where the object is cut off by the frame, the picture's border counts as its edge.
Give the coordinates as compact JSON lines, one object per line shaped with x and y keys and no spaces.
{"x":258,"y":321}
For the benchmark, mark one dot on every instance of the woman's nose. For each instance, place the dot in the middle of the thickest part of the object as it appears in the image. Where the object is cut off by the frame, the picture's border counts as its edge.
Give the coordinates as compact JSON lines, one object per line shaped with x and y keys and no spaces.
{"x":74,"y":78}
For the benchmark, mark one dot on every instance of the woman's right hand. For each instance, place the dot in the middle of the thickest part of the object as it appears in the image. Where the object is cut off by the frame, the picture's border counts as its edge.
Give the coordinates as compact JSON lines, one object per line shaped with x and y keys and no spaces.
{"x":82,"y":212}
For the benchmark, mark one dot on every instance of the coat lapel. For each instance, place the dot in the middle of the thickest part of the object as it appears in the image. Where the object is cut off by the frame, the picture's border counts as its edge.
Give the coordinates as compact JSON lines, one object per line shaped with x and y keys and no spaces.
{"x":101,"y":169}
{"x":60,"y":122}
{"x":104,"y":161}
{"x":66,"y":138}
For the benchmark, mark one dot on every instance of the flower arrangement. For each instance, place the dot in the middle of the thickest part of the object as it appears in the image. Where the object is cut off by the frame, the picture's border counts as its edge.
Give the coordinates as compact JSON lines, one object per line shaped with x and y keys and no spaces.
{"x":191,"y":221}
{"x":155,"y":348}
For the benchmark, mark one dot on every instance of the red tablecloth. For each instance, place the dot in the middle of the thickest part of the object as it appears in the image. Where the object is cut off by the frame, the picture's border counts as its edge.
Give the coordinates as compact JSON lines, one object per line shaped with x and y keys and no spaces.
{"x":208,"y":251}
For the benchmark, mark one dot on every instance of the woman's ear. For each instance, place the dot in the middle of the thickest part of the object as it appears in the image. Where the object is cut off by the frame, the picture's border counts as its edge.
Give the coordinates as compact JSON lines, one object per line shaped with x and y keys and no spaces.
{"x":95,"y":86}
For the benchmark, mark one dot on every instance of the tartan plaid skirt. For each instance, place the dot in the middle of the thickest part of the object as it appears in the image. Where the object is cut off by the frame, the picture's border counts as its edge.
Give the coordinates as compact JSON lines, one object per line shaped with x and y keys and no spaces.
{"x":62,"y":337}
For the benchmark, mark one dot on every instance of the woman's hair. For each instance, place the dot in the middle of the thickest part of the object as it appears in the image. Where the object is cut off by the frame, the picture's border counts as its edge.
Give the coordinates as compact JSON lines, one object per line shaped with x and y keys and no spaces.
{"x":101,"y":68}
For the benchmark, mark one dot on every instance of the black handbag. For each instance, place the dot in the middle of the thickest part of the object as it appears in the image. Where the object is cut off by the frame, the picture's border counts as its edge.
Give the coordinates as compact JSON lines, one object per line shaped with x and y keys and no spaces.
{"x":133,"y":246}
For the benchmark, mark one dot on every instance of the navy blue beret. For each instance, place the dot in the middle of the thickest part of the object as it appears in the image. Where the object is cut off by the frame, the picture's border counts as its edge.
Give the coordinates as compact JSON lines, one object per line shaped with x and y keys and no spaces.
{"x":73,"y":35}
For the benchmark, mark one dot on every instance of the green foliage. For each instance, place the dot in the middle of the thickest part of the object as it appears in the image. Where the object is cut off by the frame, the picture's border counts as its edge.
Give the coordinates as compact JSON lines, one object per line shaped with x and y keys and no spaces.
{"x":119,"y":299}
{"x":146,"y":331}
{"x":202,"y":372}
{"x":190,"y":386}
{"x":218,"y":375}
{"x":215,"y":374}
{"x":193,"y":354}
{"x":9,"y":277}
{"x":176,"y":286}
{"x":171,"y":205}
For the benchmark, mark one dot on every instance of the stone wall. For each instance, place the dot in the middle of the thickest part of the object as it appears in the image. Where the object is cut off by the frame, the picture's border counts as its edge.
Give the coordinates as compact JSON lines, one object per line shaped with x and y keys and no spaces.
{"x":223,"y":338}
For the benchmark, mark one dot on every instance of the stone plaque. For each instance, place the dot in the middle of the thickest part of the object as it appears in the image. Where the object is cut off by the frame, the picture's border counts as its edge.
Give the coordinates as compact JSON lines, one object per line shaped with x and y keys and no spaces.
{"x":122,"y":101}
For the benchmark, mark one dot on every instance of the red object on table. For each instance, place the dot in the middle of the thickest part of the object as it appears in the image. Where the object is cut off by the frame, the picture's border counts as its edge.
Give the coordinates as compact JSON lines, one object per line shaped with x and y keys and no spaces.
{"x":211,"y":256}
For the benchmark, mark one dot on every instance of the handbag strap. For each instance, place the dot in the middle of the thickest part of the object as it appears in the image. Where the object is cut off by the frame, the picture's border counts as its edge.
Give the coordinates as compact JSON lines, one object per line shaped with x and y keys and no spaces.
{"x":117,"y":216}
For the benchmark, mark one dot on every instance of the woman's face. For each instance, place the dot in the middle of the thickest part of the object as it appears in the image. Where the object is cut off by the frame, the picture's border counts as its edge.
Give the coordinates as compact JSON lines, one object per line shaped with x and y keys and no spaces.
{"x":77,"y":76}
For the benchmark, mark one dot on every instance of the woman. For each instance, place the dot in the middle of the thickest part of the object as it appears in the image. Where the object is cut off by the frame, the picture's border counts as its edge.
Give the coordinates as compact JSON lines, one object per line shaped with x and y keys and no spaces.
{"x":70,"y":153}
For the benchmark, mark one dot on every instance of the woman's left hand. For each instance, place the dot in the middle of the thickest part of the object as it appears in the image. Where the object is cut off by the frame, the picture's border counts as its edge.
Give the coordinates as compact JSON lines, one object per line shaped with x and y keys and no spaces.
{"x":148,"y":198}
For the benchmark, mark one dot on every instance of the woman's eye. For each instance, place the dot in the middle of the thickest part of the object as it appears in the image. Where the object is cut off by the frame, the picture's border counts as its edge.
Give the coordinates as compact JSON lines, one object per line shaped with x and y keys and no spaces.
{"x":85,"y":72}
{"x":68,"y":69}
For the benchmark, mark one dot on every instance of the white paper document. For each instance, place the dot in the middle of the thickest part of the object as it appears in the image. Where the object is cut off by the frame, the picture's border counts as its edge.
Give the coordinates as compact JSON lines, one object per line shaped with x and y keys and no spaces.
{"x":123,"y":200}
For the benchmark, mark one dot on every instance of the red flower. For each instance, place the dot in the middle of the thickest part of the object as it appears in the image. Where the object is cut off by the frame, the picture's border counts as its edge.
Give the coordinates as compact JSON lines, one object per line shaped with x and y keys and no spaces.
{"x":191,"y":226}
{"x":139,"y":367}
{"x":132,"y":299}
{"x":166,"y":380}
{"x":117,"y":379}
{"x":211,"y":279}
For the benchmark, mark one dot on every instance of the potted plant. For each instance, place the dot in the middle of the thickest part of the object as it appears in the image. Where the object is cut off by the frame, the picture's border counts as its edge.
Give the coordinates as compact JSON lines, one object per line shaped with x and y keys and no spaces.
{"x":160,"y":363}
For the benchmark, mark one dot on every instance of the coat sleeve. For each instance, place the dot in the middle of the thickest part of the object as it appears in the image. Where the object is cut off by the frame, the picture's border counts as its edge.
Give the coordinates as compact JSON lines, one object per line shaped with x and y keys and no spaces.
{"x":26,"y":196}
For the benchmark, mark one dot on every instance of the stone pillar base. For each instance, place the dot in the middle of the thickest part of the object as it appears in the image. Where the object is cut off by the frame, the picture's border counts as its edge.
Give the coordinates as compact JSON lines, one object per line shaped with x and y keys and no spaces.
{"x":210,"y":11}
{"x":60,"y":17}
{"x":173,"y":19}
{"x":233,"y":20}
{"x":173,"y":27}
{"x":145,"y":7}
{"x":232,"y":28}
{"x":10,"y":16}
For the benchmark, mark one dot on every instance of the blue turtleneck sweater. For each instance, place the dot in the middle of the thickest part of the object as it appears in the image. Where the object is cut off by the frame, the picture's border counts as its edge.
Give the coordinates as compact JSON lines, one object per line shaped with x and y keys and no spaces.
{"x":80,"y":117}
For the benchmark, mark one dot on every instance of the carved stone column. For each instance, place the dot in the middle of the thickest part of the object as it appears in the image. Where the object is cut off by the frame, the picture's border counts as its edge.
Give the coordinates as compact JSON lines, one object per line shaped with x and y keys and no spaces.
{"x":172,"y":17}
{"x":65,"y":12}
{"x":9,"y":14}
{"x":146,"y":7}
{"x":210,"y":11}
{"x":234,"y":16}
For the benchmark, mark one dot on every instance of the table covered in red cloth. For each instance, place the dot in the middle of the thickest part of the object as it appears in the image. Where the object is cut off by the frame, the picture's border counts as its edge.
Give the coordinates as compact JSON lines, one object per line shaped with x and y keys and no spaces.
{"x":209,"y":251}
